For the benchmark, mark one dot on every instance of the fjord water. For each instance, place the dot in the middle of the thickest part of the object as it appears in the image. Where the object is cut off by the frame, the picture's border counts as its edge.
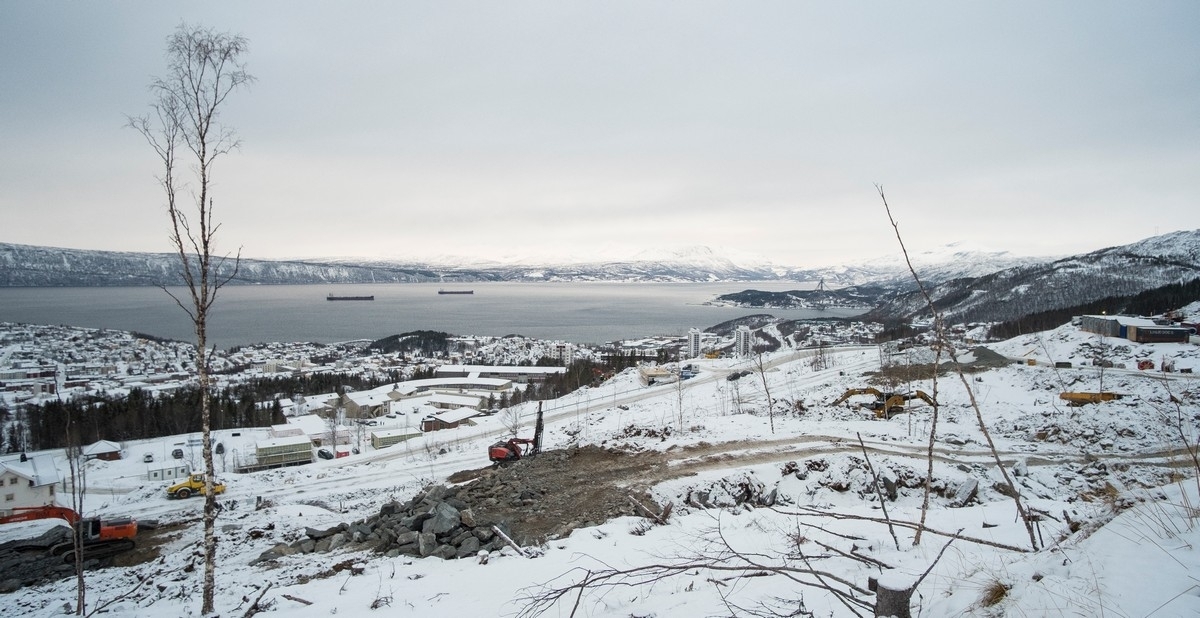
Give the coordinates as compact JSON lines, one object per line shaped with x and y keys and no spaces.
{"x":575,"y":312}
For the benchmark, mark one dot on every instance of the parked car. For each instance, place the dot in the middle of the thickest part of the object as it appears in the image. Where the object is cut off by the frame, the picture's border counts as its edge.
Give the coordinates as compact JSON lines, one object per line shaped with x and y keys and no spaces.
{"x":177,"y":453}
{"x":148,"y":457}
{"x":325,"y":453}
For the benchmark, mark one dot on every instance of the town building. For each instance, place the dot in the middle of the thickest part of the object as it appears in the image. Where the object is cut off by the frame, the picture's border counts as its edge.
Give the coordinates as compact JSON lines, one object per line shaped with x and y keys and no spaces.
{"x":562,"y":352}
{"x":518,"y":374}
{"x":743,"y":342}
{"x":103,"y":449}
{"x":277,"y":452}
{"x":1141,"y":330}
{"x":694,"y":338}
{"x":27,"y":482}
{"x":386,"y":437}
{"x":449,"y":419}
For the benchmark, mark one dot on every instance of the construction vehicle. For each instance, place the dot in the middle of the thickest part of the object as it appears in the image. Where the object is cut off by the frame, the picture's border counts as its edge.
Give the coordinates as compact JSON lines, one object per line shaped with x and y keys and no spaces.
{"x":507,"y":451}
{"x":1082,"y":399}
{"x":886,"y":405}
{"x":191,"y":486}
{"x":98,"y":538}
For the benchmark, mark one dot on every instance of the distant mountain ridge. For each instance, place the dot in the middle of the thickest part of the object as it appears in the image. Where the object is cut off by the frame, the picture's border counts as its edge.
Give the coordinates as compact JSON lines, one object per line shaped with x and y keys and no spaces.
{"x":32,"y":266}
{"x":1018,"y":291}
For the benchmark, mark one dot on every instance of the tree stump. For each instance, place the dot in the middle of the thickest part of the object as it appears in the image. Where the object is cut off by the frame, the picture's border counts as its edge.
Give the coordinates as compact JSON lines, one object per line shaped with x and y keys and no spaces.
{"x":893,"y":595}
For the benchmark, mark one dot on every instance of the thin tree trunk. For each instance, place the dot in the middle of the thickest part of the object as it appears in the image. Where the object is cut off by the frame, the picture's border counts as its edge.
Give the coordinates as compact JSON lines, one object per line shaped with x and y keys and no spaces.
{"x":210,"y":498}
{"x":929,"y":452}
{"x":73,"y":463}
{"x":943,"y":342}
{"x":762,"y":373}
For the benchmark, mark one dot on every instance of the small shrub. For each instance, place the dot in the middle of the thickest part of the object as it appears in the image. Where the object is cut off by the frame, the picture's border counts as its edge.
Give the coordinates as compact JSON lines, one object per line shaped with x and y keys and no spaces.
{"x":993,"y":593}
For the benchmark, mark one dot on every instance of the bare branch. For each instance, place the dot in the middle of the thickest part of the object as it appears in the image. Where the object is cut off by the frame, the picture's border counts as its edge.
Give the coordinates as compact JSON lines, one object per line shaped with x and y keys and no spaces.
{"x":878,"y":492}
{"x":811,"y":512}
{"x":511,"y":543}
{"x":101,"y":608}
{"x":943,"y":343}
{"x":935,"y":560}
{"x":255,"y":607}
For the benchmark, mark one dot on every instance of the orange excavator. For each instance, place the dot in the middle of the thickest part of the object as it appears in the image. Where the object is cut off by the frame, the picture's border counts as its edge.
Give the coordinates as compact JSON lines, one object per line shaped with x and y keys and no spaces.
{"x":506,"y":451}
{"x":99,"y":538}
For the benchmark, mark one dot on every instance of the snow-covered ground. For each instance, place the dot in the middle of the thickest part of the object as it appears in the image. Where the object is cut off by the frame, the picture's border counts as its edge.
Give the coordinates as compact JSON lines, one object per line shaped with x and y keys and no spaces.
{"x":1112,"y":485}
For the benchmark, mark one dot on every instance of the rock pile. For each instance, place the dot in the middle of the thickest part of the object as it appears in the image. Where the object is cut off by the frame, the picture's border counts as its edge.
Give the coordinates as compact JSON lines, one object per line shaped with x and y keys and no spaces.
{"x":435,"y":522}
{"x":542,"y":498}
{"x":31,"y":561}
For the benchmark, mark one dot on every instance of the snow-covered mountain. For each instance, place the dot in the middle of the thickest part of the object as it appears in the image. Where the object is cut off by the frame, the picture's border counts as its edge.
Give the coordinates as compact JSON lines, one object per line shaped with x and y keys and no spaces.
{"x":1030,"y":288}
{"x":24,"y":265}
{"x":690,"y":264}
{"x":955,"y":265}
{"x":951,"y":261}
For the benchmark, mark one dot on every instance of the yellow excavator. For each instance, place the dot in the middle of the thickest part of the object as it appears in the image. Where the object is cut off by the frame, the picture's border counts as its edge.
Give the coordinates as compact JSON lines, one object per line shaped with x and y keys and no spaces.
{"x":1082,"y":399}
{"x":886,"y":405}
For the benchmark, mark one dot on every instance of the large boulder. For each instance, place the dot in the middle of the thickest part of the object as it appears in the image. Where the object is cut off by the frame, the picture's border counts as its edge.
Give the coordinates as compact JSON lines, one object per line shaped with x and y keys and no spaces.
{"x":318,"y":534}
{"x":470,"y":546}
{"x":445,"y":552}
{"x":965,"y":493}
{"x":408,"y":538}
{"x":444,"y":518}
{"x":426,"y":544}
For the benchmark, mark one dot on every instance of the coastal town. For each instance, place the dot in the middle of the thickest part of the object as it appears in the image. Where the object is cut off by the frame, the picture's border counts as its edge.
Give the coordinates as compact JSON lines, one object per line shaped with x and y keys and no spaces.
{"x":429,"y":416}
{"x":472,"y":376}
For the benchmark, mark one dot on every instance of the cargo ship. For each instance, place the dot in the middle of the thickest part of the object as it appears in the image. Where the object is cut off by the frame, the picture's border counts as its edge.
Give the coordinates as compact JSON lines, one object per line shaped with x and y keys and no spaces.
{"x":332,"y":297}
{"x":456,"y":291}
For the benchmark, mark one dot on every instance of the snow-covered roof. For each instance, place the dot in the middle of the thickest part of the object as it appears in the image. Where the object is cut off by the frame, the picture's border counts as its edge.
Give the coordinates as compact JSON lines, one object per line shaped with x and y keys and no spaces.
{"x":390,"y":433}
{"x":413,"y":386}
{"x":456,"y":415}
{"x":101,"y":447}
{"x":475,"y":370}
{"x":369,"y":398}
{"x":38,"y":469}
{"x":309,"y":403}
{"x":284,"y":441}
{"x":1125,"y":320}
{"x":310,"y":423}
{"x":280,"y":431}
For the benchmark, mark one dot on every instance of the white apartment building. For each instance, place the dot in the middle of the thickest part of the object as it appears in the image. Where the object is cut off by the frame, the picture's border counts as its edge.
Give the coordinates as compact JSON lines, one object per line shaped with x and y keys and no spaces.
{"x":693,"y":343}
{"x":743,"y":342}
{"x":562,"y":352}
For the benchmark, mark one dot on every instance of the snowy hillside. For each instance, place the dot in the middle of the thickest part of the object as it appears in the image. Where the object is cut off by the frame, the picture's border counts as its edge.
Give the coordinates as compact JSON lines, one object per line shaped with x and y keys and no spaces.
{"x":771,"y":512}
{"x":951,"y":261}
{"x":1019,"y":291}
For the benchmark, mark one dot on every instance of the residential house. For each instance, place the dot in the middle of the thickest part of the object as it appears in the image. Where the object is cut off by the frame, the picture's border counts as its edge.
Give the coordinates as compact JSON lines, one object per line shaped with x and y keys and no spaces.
{"x":27,"y":483}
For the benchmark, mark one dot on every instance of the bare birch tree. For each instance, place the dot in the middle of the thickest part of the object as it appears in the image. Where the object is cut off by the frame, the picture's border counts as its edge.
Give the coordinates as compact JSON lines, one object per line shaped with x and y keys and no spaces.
{"x":183,"y":128}
{"x":762,"y":373}
{"x":74,"y":453}
{"x":510,"y":419}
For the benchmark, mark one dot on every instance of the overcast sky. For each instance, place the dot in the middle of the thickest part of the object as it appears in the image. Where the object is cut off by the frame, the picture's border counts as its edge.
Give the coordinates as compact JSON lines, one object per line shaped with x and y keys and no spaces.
{"x":600,"y":129}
